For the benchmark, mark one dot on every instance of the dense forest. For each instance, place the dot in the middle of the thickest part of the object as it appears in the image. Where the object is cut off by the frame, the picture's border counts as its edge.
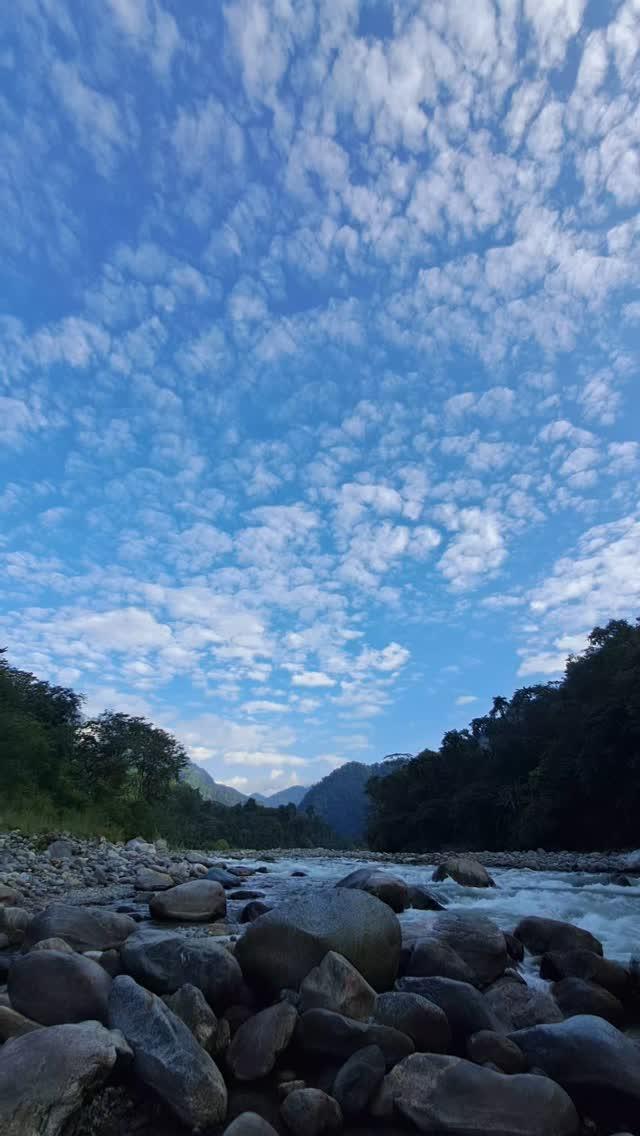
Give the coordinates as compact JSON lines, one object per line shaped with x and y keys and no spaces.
{"x":118,"y":775}
{"x":556,"y":766}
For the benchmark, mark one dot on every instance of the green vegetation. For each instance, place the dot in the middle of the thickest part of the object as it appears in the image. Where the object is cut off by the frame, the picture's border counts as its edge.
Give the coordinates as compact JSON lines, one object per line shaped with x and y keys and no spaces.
{"x":557,"y":765}
{"x":119,"y":776}
{"x":340,"y":799}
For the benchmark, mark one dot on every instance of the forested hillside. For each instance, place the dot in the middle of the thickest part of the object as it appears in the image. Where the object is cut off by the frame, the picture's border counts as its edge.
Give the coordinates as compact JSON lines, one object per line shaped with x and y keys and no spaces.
{"x":557,"y":765}
{"x":211,"y":790}
{"x":341,"y":800}
{"x":117,"y":775}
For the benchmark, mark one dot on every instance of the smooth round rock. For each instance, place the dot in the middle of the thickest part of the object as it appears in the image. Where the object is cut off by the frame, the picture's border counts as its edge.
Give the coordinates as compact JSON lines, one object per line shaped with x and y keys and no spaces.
{"x":83,"y":928}
{"x":259,"y":1042}
{"x":421,"y":1020}
{"x":56,"y":987}
{"x":197,"y":901}
{"x":310,"y":1112}
{"x":465,"y":871}
{"x":250,"y":1124}
{"x":163,"y":961}
{"x":388,"y":888}
{"x":336,"y":985}
{"x":358,"y":1080}
{"x":541,"y":935}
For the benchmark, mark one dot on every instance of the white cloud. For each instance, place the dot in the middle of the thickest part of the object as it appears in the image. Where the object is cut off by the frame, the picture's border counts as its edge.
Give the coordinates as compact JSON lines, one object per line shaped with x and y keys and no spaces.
{"x":466,"y":699}
{"x":264,"y":706}
{"x":477,"y":548}
{"x":312,"y":679}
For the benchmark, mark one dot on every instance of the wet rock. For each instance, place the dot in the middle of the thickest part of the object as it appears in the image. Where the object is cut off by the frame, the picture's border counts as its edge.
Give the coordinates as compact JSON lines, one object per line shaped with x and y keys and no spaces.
{"x":465,"y":871}
{"x":612,"y":976}
{"x":164,"y":961}
{"x":424,"y":900}
{"x":322,"y":1031}
{"x":258,"y":1043}
{"x":432,"y":959}
{"x":14,"y":922}
{"x":310,"y":1112}
{"x":447,"y":1095}
{"x":254,"y":909}
{"x":465,"y":1007}
{"x":487,"y":1046}
{"x":83,"y":928}
{"x":336,"y":985}
{"x":198,"y":901}
{"x":246,"y":893}
{"x":517,"y":1006}
{"x":190,"y":1005}
{"x":250,"y":1124}
{"x":54,"y":987}
{"x":278,"y":950}
{"x":298,"y":874}
{"x":358,"y":1080}
{"x":421,"y":1020}
{"x":148,"y":879}
{"x":515,"y":949}
{"x":576,"y":996}
{"x":166,"y":1056}
{"x":13,"y":1024}
{"x":60,"y":850}
{"x":223,"y":877}
{"x":476,"y":940}
{"x":389,"y":889}
{"x":46,"y":1074}
{"x":542,"y":935}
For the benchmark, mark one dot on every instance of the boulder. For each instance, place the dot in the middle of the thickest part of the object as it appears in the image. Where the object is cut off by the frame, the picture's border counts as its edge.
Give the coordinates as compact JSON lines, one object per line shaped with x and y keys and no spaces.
{"x":52,"y":944}
{"x":517,"y":1006}
{"x":432,"y":959}
{"x":246,"y":893}
{"x":515,"y":949}
{"x":164,"y":961}
{"x":54,"y":987}
{"x":13,"y":1024}
{"x":358,"y":1079}
{"x":223,"y":877}
{"x":83,"y":928}
{"x":541,"y":935}
{"x":336,"y":985}
{"x":9,"y":896}
{"x":448,"y":1095}
{"x":258,"y":1043}
{"x":489,"y":1047}
{"x":197,"y":901}
{"x":476,"y":940}
{"x":166,"y":1056}
{"x":612,"y":976}
{"x":14,"y":922}
{"x":46,"y":1074}
{"x":322,"y":1031}
{"x":190,"y":1005}
{"x":465,"y":871}
{"x":389,"y":889}
{"x":421,"y":1020}
{"x":465,"y":1007}
{"x":250,"y":1124}
{"x":310,"y":1112}
{"x":279,"y":949}
{"x":148,"y":879}
{"x":253,"y":910}
{"x":139,"y":844}
{"x":424,"y":900}
{"x":60,"y":850}
{"x":597,"y":1065}
{"x":577,"y":996}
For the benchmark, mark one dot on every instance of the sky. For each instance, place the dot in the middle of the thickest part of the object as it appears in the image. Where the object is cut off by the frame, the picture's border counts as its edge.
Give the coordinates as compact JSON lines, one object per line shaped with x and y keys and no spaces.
{"x":319,"y":329}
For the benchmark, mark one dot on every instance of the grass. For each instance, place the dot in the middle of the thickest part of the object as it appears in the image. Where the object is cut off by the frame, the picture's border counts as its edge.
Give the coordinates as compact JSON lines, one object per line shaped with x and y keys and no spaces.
{"x":39,"y":815}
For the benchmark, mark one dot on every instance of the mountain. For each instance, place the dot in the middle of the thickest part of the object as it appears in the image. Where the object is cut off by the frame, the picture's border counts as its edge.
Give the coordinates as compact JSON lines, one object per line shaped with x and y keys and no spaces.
{"x":341,"y":798}
{"x":211,"y":790}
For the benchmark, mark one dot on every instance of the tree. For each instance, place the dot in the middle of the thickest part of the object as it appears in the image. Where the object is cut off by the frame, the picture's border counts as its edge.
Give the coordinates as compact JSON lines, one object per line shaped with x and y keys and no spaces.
{"x":127,"y":755}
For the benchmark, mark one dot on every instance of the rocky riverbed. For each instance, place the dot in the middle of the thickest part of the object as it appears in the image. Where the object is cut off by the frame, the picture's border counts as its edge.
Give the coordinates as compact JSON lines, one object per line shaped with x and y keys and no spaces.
{"x":144,"y":990}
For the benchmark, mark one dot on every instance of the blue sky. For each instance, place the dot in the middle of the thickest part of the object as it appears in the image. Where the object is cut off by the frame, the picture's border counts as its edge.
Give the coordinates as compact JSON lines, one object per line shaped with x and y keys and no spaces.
{"x":319,"y":329}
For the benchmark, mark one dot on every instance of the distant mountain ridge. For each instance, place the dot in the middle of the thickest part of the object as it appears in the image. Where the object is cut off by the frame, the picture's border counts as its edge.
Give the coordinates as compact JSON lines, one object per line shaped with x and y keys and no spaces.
{"x":211,"y":790}
{"x":341,"y":798}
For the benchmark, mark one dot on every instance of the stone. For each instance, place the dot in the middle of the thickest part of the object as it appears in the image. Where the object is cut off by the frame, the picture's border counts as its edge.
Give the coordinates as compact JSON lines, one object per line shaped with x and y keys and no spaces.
{"x":517,"y":1006}
{"x":223,"y":877}
{"x":424,"y":900}
{"x":389,"y":889}
{"x":250,"y":1124}
{"x":246,"y":893}
{"x":541,"y":935}
{"x":55,"y":987}
{"x":254,"y":909}
{"x":279,"y":949}
{"x":83,"y":928}
{"x":13,"y":1024}
{"x":322,"y":1031}
{"x":139,"y":844}
{"x":60,"y":850}
{"x":258,"y":1043}
{"x":336,"y":985}
{"x":612,"y":976}
{"x":487,"y":1046}
{"x":476,"y":940}
{"x":421,"y":1020}
{"x":451,"y":1097}
{"x":515,"y":949}
{"x":310,"y":1112}
{"x":46,"y":1074}
{"x":52,"y":944}
{"x":9,"y":896}
{"x":597,"y":1065}
{"x":465,"y":871}
{"x":465,"y":1007}
{"x":358,"y":1080}
{"x":197,"y":901}
{"x":148,"y":879}
{"x":14,"y":922}
{"x":432,"y":959}
{"x":165,"y":960}
{"x":166,"y":1056}
{"x":190,"y":1005}
{"x":577,"y":996}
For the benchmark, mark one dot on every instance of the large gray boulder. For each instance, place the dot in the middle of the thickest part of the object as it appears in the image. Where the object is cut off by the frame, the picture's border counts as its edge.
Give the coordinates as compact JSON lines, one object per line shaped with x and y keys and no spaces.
{"x":448,"y":1095}
{"x":358,"y":1079}
{"x":390,"y":889}
{"x":432,"y":959}
{"x":476,"y":940}
{"x":421,"y":1020}
{"x":517,"y":1006}
{"x":250,"y":1124}
{"x":259,"y":1042}
{"x":197,"y":901}
{"x":465,"y":871}
{"x":541,"y":935}
{"x":323,"y":1032}
{"x":46,"y":1075}
{"x":165,"y":960}
{"x":13,"y":1024}
{"x":465,"y":1007}
{"x":424,"y":900}
{"x":14,"y":923}
{"x":612,"y":976}
{"x":336,"y":985}
{"x":310,"y":1112}
{"x":166,"y":1056}
{"x":54,"y":987}
{"x":149,"y":879}
{"x":83,"y":928}
{"x":575,"y":996}
{"x":597,"y":1064}
{"x":279,"y":949}
{"x":223,"y":877}
{"x":190,"y":1005}
{"x":487,"y":1046}
{"x":9,"y":896}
